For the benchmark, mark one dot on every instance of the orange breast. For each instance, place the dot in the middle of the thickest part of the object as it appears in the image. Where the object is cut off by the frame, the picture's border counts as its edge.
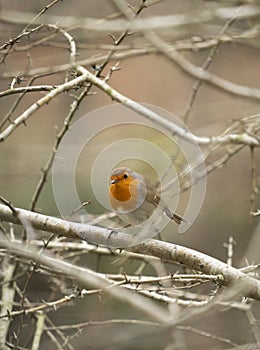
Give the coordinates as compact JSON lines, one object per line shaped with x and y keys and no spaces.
{"x":124,"y":195}
{"x":120,"y":191}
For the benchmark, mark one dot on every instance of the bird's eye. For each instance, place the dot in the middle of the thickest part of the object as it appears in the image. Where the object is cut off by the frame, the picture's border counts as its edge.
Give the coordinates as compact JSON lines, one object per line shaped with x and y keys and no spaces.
{"x":125,"y":176}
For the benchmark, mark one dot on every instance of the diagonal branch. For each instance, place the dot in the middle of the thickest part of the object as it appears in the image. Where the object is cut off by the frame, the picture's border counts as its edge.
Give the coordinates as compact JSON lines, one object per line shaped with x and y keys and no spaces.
{"x":233,"y":277}
{"x":40,"y":103}
{"x":88,"y":277}
{"x":242,"y":138}
{"x":202,"y":74}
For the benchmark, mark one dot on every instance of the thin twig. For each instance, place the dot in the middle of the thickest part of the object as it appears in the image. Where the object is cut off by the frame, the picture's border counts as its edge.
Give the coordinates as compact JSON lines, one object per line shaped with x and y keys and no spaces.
{"x":205,"y":66}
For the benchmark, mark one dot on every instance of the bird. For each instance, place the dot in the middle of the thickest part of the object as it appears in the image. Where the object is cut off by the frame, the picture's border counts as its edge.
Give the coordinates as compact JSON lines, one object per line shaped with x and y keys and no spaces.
{"x":134,"y":198}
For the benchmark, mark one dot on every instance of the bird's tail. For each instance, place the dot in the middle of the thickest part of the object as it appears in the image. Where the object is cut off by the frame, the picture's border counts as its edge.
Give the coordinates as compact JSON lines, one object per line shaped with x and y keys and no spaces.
{"x":173,"y":216}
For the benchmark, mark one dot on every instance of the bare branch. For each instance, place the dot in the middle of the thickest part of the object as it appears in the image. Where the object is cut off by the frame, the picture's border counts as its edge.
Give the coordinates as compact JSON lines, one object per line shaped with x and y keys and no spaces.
{"x":88,"y":277}
{"x":244,"y":284}
{"x":25,"y":89}
{"x":151,"y":23}
{"x":243,"y":138}
{"x":41,"y":102}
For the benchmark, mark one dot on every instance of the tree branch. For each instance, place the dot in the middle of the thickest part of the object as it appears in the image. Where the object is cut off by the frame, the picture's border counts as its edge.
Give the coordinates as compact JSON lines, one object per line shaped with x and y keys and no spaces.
{"x":242,"y":138}
{"x":87,"y":277}
{"x":41,"y":102}
{"x":242,"y":283}
{"x":104,"y":25}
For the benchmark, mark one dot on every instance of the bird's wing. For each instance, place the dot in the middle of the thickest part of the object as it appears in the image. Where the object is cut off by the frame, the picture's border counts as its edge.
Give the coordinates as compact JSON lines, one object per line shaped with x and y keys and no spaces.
{"x":154,"y":196}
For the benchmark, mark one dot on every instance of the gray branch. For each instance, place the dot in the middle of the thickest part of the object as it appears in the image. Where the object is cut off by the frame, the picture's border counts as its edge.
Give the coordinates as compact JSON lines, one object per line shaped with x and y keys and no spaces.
{"x":233,"y":278}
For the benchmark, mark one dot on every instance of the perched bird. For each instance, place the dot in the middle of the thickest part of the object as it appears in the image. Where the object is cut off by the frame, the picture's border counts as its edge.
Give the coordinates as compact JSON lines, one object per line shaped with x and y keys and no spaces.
{"x":134,"y":198}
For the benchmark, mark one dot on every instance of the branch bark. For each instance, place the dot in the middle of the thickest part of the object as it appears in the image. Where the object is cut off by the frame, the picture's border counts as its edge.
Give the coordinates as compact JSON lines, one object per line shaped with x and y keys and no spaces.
{"x":233,"y":278}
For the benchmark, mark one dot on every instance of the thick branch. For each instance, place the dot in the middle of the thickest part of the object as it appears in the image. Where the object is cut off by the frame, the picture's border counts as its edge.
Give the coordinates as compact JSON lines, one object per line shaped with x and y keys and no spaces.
{"x":246,"y":285}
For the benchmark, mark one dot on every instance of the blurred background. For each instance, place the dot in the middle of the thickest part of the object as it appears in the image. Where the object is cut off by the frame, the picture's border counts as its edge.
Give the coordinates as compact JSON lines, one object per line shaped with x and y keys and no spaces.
{"x":149,"y":79}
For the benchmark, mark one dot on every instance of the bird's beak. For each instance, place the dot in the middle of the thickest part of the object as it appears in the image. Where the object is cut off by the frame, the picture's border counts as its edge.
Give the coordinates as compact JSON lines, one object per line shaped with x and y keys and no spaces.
{"x":115,"y":181}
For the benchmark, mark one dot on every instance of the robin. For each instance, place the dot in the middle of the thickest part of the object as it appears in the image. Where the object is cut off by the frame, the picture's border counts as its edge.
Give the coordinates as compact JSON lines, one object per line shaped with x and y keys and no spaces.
{"x":134,"y":198}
